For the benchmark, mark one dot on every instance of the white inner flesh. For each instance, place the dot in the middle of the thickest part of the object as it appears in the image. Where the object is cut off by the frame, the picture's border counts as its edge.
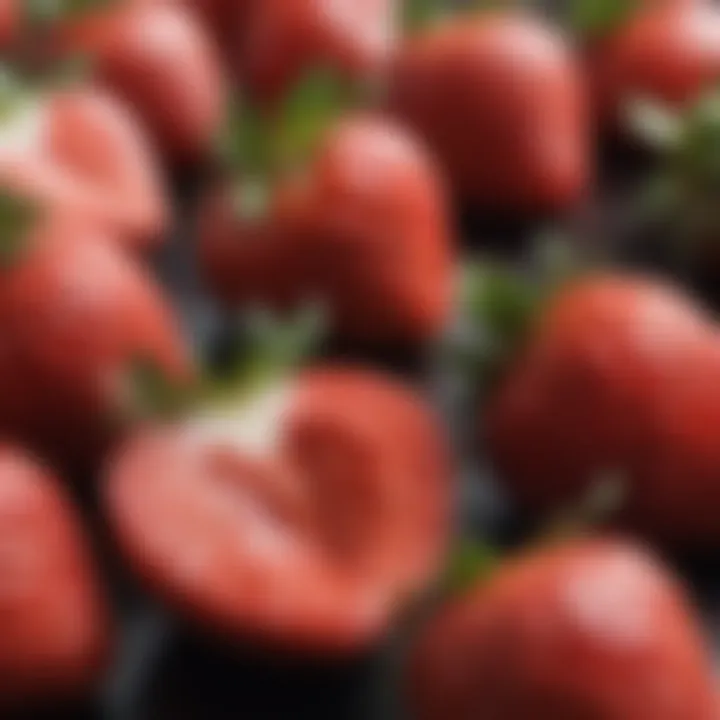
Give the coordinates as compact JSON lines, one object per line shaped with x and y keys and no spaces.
{"x":23,"y":129}
{"x":253,"y":425}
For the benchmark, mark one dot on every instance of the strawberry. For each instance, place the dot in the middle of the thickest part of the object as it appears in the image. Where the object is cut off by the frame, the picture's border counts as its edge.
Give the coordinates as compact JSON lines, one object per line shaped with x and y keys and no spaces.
{"x":302,"y":516}
{"x":281,"y":41}
{"x":499,"y":100}
{"x":77,"y":314}
{"x":9,"y":22}
{"x":588,"y":629}
{"x":53,"y":619}
{"x":363,"y":226}
{"x":226,"y":21}
{"x":664,"y":51}
{"x":616,"y":378}
{"x":77,"y":149}
{"x":156,"y":56}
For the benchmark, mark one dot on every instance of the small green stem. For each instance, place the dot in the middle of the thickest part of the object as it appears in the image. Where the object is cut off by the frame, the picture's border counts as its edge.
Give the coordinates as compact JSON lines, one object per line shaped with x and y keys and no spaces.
{"x":18,"y":216}
{"x":593,"y":19}
{"x":40,"y":13}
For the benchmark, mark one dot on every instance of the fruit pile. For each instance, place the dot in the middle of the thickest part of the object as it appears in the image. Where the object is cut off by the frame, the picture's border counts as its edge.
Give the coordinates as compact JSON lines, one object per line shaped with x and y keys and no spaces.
{"x":282,"y":488}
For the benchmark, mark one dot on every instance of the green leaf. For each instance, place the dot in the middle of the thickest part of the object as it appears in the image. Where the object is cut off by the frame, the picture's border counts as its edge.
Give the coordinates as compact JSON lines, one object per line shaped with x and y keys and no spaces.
{"x":317,"y":101}
{"x":264,"y":144}
{"x":697,"y":156}
{"x":244,"y":145}
{"x":44,"y":12}
{"x":276,"y":346}
{"x":266,"y":348}
{"x":18,"y":216}
{"x":147,"y":392}
{"x":682,"y":198}
{"x":419,"y":14}
{"x":597,"y":18}
{"x":469,"y":563}
{"x":500,"y":299}
{"x":498,"y":305}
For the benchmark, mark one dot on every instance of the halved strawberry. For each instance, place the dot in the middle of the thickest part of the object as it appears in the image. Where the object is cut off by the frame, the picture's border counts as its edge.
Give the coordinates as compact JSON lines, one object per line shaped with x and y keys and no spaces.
{"x":304,"y":516}
{"x":78,"y":150}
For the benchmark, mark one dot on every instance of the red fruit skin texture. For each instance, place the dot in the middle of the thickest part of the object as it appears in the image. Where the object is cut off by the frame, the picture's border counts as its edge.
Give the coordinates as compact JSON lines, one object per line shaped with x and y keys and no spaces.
{"x":500,"y":101}
{"x":226,"y":20}
{"x":157,"y":57}
{"x":53,"y":619}
{"x":9,"y":22}
{"x":365,"y":229}
{"x":87,"y":155}
{"x":589,"y":630}
{"x":309,"y":543}
{"x":669,"y":52}
{"x":77,"y":313}
{"x":252,"y":261}
{"x":284,"y":40}
{"x":619,"y":375}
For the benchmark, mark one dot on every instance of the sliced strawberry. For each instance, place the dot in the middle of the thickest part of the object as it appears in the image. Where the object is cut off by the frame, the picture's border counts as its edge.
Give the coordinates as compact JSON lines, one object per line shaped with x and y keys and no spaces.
{"x":303,"y":518}
{"x":78,"y":150}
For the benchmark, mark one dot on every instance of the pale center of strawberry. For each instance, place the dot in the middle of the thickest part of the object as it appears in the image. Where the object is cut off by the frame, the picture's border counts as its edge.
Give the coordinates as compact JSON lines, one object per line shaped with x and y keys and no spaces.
{"x":23,"y":128}
{"x":253,"y":427}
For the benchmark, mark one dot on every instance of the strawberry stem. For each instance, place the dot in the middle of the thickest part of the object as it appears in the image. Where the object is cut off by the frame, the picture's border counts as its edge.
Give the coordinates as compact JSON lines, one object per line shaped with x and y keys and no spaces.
{"x":45,"y":12}
{"x":469,"y":563}
{"x":500,"y":304}
{"x":681,"y":198}
{"x":593,"y":19}
{"x":266,"y":145}
{"x":266,"y":348}
{"x":18,"y":216}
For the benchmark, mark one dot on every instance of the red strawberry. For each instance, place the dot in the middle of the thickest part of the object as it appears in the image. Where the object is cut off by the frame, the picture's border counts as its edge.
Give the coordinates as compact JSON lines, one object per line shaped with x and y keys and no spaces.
{"x":282,"y":40}
{"x":9,"y":22}
{"x":620,"y":376}
{"x":364,"y":228}
{"x":591,"y":629}
{"x":78,"y":150}
{"x":53,"y":619}
{"x":226,"y":20}
{"x":76,"y":313}
{"x":303,"y":517}
{"x":668,"y":51}
{"x":155,"y":55}
{"x":499,"y":100}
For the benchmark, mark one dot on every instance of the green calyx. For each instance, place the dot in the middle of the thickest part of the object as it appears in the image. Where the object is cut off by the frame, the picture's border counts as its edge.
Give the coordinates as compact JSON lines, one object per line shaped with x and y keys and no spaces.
{"x":266,"y":347}
{"x":146,"y":391}
{"x":18,"y":217}
{"x":469,"y":563}
{"x":420,"y":14}
{"x":46,"y":12}
{"x":13,"y":94}
{"x":682,"y":197}
{"x":500,"y":304}
{"x":263,"y":145}
{"x":593,"y":19}
{"x":264,"y":350}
